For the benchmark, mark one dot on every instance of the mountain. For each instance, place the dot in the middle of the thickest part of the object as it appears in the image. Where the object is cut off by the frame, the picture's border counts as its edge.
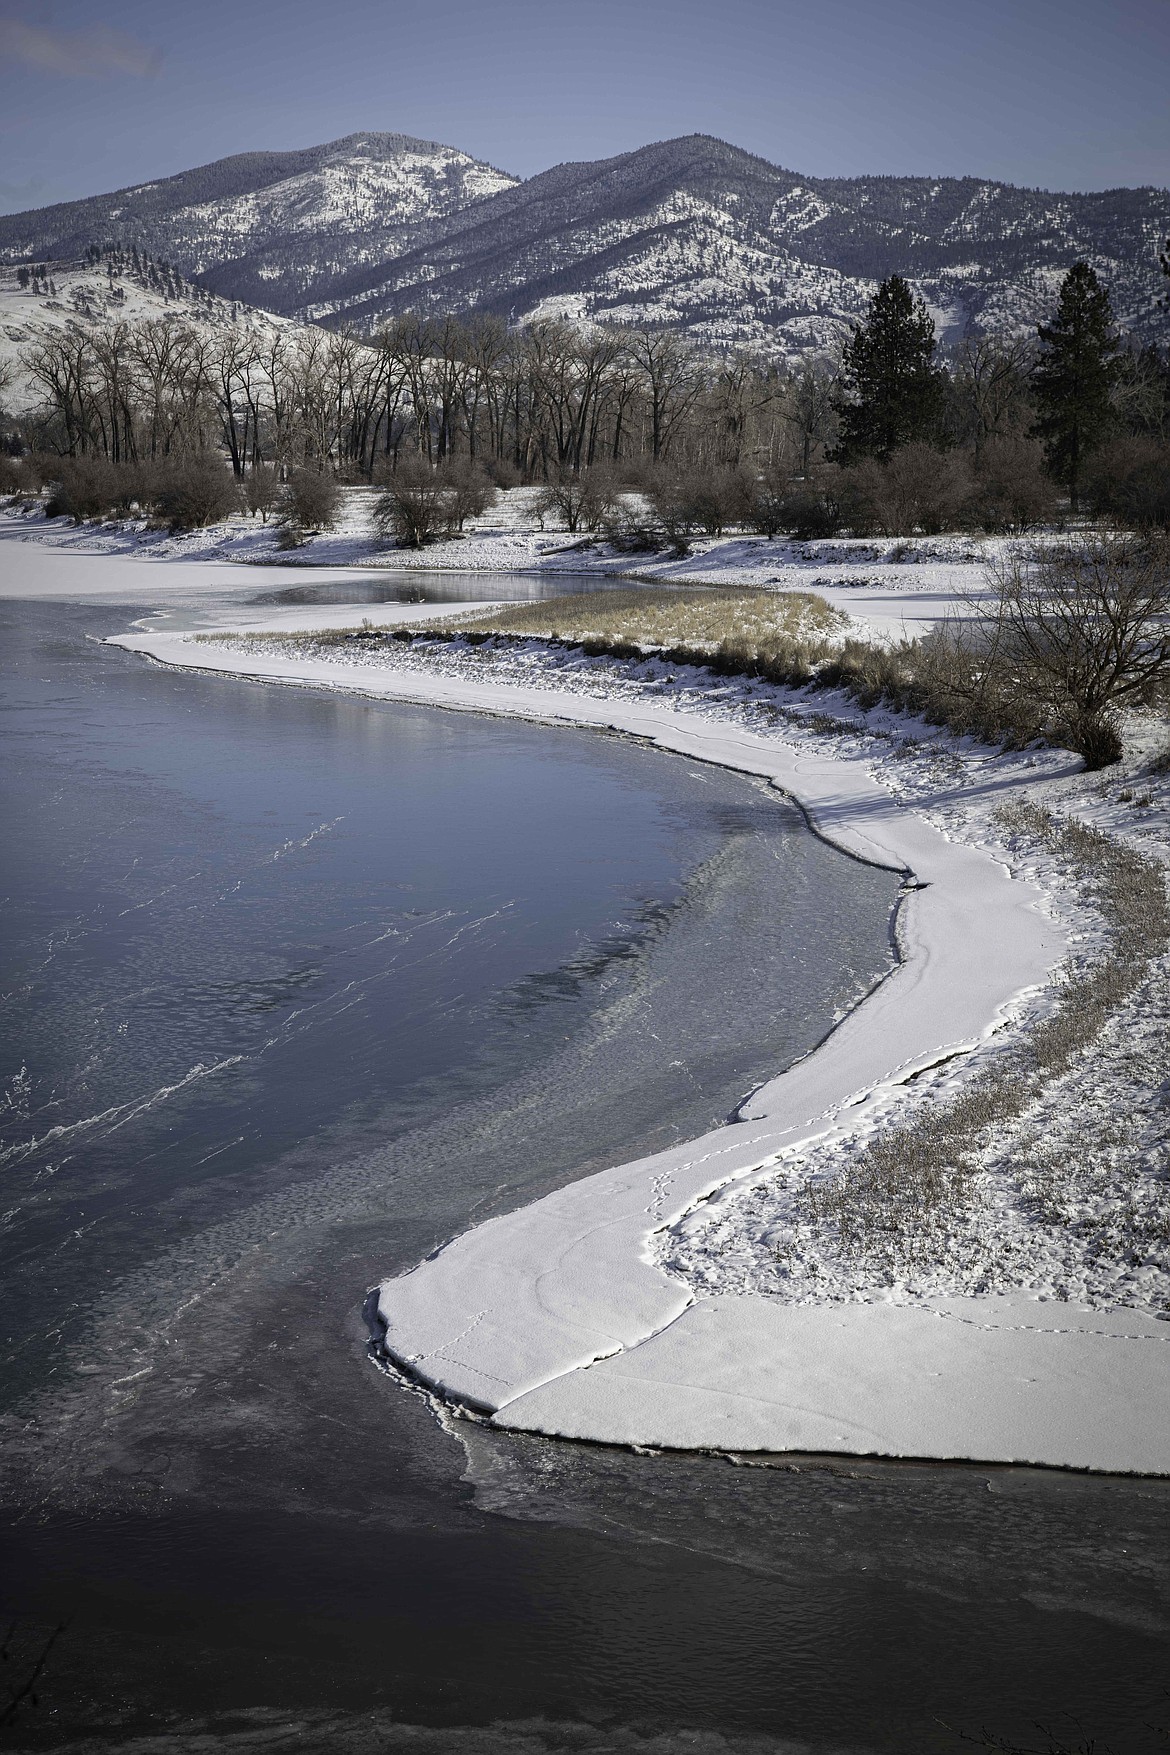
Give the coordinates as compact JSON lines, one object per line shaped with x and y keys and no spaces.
{"x":705,"y":237}
{"x":269,"y":227}
{"x":691,"y":232}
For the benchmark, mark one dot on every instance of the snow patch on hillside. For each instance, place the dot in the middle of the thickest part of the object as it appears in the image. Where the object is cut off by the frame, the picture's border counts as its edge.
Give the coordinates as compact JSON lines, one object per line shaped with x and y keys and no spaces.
{"x":87,"y":297}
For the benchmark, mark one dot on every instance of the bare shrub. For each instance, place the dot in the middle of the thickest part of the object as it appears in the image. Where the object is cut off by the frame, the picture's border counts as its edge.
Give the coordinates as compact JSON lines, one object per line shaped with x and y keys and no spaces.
{"x":764,"y":505}
{"x":1064,"y":639}
{"x":633,"y":532}
{"x":29,"y":475}
{"x":261,"y":490}
{"x":469,"y":492}
{"x":81,"y":488}
{"x":585,"y":499}
{"x":702,"y":501}
{"x":195,"y":491}
{"x":308,"y":503}
{"x":96,"y":487}
{"x":502,"y":472}
{"x":1081,"y":631}
{"x":804,"y":506}
{"x":811,"y":509}
{"x":420,"y":503}
{"x":919,"y":488}
{"x":955,"y":678}
{"x":411,"y":507}
{"x":1129,"y":482}
{"x":1013,"y":491}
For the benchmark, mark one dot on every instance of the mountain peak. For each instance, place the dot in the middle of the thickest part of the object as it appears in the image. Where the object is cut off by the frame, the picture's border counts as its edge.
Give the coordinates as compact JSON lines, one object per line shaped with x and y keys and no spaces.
{"x":691,"y":232}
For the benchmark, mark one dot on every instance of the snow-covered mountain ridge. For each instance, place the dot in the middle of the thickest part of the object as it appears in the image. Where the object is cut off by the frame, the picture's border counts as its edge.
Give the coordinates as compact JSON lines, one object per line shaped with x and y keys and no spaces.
{"x":87,"y":296}
{"x":690,"y":232}
{"x":266,"y":228}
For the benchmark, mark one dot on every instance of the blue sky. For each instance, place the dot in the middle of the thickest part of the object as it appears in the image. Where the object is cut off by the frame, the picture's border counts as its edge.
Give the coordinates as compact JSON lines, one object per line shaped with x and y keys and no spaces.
{"x":1065,"y":94}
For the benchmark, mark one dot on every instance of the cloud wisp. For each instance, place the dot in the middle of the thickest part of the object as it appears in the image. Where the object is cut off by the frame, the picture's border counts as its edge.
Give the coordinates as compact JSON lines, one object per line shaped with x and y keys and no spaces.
{"x":76,"y":54}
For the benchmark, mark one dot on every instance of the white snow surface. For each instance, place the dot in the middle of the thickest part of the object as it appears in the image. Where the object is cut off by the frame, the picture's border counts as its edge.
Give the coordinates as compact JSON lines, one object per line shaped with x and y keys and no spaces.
{"x":891,"y":589}
{"x":564,"y":1318}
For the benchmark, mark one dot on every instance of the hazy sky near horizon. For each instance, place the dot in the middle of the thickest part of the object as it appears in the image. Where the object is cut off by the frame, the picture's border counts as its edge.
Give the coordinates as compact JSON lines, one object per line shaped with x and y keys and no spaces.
{"x":1065,"y":94}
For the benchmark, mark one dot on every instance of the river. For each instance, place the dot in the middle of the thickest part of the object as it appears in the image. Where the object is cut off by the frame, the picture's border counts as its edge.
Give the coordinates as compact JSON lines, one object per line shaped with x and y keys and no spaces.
{"x":297,"y":987}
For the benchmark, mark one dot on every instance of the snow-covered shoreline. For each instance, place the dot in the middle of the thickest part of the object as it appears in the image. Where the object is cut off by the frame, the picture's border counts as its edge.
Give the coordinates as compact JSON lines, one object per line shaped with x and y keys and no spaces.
{"x":891,"y":589}
{"x":559,"y":1318}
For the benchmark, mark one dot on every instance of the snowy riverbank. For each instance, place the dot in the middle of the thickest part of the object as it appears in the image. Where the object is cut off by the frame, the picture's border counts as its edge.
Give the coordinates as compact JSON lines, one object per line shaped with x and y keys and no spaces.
{"x":572,"y":1316}
{"x":889,"y":587}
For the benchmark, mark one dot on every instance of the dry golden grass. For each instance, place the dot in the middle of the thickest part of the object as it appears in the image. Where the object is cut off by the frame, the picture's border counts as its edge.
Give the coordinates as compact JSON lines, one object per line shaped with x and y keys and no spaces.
{"x":888,"y":1204}
{"x":704,"y":619}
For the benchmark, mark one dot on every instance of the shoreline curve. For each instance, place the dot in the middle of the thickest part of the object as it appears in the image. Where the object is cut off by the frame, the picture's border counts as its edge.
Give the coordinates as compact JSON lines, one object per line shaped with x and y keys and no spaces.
{"x":555,"y":1319}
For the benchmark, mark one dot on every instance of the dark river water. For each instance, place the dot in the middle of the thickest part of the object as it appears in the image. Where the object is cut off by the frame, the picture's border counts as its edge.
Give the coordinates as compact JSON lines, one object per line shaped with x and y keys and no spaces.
{"x":297,"y":987}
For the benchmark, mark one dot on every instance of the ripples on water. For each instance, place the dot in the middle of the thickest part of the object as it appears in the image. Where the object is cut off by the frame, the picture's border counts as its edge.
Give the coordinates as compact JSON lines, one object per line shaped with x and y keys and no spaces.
{"x":296,"y":988}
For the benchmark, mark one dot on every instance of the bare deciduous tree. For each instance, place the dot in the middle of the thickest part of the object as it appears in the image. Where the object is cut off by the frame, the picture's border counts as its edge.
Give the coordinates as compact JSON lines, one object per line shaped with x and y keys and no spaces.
{"x":583,"y":499}
{"x":991,"y":380}
{"x":810,"y":408}
{"x":670,"y":381}
{"x":1084,"y":629}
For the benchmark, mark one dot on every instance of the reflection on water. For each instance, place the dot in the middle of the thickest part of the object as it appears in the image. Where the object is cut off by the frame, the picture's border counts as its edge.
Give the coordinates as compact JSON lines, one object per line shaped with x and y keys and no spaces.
{"x":424,"y":587}
{"x":300,"y":986}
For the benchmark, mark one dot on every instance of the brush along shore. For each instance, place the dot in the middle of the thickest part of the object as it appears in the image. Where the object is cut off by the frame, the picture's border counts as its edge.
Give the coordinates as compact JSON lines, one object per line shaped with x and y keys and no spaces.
{"x":1053,"y":647}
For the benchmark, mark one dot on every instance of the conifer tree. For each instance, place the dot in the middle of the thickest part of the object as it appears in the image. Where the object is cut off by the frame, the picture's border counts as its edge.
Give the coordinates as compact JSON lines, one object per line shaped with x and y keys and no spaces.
{"x":893,"y":393}
{"x":1075,"y":376}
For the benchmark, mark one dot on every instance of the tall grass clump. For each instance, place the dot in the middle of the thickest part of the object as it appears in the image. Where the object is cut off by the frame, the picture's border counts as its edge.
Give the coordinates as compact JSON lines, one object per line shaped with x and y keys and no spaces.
{"x":778,"y":637}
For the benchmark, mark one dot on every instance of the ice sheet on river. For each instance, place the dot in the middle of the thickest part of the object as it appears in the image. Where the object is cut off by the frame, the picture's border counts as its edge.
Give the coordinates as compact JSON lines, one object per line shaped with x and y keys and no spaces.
{"x":556,"y":1319}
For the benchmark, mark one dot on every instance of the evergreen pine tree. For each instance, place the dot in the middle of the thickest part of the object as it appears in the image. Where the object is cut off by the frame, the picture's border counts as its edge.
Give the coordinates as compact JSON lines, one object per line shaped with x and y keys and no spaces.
{"x":1075,"y":376}
{"x":893,"y":393}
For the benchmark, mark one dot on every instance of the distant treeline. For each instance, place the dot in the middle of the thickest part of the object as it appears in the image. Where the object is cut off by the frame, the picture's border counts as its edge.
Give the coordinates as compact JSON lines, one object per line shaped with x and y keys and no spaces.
{"x":888,"y":437}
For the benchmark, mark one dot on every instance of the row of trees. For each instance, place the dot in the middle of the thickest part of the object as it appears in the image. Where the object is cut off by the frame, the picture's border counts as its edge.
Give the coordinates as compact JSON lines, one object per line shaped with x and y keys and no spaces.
{"x":525,"y":403}
{"x":1082,"y":385}
{"x":890,"y":437}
